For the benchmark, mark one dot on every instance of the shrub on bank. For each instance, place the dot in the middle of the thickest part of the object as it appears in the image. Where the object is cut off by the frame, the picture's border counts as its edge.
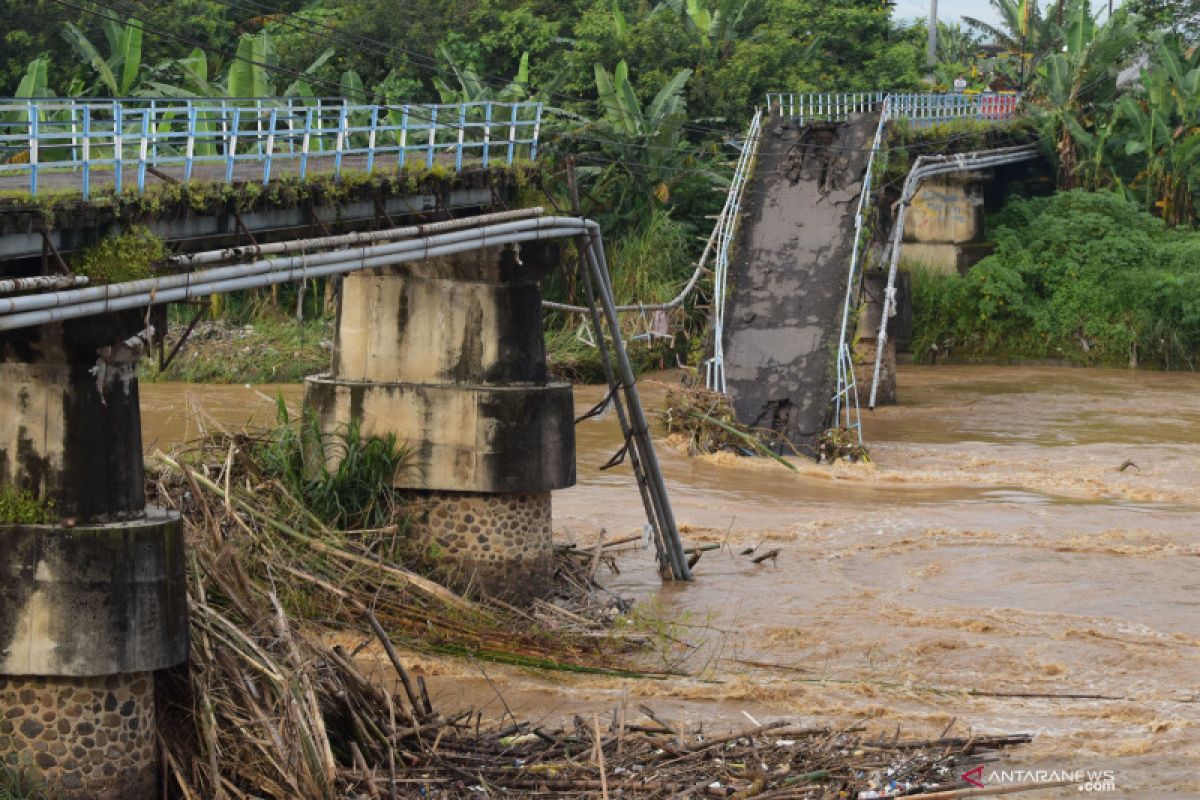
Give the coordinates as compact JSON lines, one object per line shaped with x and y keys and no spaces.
{"x":1082,"y":276}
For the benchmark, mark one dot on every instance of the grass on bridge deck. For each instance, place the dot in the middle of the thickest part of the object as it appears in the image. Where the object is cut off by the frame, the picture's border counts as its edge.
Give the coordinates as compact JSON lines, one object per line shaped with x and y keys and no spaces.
{"x":61,"y":180}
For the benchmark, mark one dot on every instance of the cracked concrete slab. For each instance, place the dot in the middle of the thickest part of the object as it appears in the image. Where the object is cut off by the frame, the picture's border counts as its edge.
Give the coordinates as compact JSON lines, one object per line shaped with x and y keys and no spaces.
{"x":789,"y":274}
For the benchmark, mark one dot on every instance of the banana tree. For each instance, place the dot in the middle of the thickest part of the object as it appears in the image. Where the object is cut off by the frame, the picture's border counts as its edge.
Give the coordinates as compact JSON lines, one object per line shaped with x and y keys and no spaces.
{"x":716,"y":24}
{"x":35,"y":82}
{"x":119,"y":73}
{"x":248,"y":76}
{"x":471,"y":88}
{"x":1025,"y":32}
{"x":646,"y":143}
{"x":1076,"y":83}
{"x":1161,"y":126}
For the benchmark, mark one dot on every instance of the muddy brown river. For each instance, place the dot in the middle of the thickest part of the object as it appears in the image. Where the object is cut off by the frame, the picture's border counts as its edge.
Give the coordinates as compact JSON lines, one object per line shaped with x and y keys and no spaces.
{"x":994,"y":568}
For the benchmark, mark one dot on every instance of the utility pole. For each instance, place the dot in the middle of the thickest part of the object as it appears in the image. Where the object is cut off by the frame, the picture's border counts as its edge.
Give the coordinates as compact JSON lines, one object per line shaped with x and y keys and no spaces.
{"x":931,"y":57}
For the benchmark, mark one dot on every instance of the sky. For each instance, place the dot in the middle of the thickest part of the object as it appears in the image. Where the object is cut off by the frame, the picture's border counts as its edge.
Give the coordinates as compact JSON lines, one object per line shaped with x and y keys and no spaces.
{"x":953,"y":10}
{"x":948,"y":10}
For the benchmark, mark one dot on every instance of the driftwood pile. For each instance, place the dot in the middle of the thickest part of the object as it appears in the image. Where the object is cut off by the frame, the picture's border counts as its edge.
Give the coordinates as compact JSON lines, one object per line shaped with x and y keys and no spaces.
{"x":271,"y":706}
{"x":840,"y":444}
{"x":706,"y":422}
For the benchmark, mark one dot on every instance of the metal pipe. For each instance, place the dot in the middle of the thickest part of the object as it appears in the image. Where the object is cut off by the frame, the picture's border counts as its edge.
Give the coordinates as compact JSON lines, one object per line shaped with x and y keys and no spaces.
{"x":641,"y":427}
{"x":52,"y":299}
{"x":14,"y":285}
{"x":864,"y":198}
{"x":259,"y":280}
{"x":725,"y":232}
{"x":347,"y":239}
{"x":923,"y":168}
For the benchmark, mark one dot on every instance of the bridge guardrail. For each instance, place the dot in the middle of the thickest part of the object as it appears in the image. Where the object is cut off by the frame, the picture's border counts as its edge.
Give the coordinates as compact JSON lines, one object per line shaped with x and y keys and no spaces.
{"x":921,"y":110}
{"x":94,"y":137}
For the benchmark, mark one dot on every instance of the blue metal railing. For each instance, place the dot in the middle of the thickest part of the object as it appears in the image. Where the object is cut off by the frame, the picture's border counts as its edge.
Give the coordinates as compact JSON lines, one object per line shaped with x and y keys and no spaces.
{"x":248,"y":139}
{"x":922,"y":110}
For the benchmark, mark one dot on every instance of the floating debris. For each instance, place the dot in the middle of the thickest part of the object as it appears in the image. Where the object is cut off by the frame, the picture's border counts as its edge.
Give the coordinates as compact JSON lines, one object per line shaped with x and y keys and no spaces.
{"x":706,"y":421}
{"x":840,"y":444}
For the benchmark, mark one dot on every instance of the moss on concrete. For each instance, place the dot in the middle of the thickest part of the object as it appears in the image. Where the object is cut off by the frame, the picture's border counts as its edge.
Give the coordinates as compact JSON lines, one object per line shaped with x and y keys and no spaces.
{"x":20,"y":507}
{"x":905,"y":142}
{"x":19,"y":211}
{"x":127,"y":256}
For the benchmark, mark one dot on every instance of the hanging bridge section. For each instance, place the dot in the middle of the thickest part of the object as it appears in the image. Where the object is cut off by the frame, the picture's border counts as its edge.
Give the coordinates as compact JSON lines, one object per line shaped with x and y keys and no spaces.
{"x":130,"y":151}
{"x":785,"y":327}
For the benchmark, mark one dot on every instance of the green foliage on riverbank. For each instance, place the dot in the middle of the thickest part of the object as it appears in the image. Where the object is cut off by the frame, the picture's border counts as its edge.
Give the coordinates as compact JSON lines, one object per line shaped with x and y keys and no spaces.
{"x":272,"y":349}
{"x":1086,"y":277}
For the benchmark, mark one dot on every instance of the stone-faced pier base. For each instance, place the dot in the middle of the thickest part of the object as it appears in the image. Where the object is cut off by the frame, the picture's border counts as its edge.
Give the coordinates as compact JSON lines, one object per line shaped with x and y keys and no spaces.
{"x":92,"y":587}
{"x":498,"y":543}
{"x":448,"y":355}
{"x":86,"y":737}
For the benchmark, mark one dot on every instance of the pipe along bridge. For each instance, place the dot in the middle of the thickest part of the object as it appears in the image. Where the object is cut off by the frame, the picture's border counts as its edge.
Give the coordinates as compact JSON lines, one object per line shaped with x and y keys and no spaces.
{"x":802,"y":322}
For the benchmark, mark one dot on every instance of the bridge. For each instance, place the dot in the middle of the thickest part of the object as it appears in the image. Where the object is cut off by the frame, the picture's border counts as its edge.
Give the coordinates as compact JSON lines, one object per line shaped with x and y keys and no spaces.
{"x":136,"y":153}
{"x":802,"y":299}
{"x":111,"y":146}
{"x":439,"y":339}
{"x":439,"y":342}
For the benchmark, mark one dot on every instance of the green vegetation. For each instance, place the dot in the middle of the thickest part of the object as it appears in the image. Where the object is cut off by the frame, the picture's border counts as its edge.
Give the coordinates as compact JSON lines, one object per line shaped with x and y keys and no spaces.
{"x":572,"y":358}
{"x":127,"y":256}
{"x":647,"y":97}
{"x":356,"y":492}
{"x":21,"y":783}
{"x":21,"y":507}
{"x":906,"y":142}
{"x":173,"y":200}
{"x":1082,"y":276}
{"x":274,"y":348}
{"x":1103,"y":277}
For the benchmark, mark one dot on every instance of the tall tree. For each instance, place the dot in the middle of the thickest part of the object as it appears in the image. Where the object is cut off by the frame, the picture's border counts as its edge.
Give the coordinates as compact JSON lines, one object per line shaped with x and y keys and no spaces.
{"x":1081,"y":78}
{"x":1026,"y":32}
{"x":1180,"y":16}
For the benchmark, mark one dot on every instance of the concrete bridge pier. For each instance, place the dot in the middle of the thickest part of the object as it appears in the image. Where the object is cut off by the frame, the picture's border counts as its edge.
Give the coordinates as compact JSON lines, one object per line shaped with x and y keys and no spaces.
{"x":449,"y":355}
{"x":944,"y":226}
{"x":92,"y":583}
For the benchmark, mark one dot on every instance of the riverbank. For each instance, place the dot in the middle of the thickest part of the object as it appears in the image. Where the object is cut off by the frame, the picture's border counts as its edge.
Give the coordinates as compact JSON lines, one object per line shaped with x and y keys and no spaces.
{"x":1083,"y":277}
{"x":276,"y":348}
{"x":271,"y":349}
